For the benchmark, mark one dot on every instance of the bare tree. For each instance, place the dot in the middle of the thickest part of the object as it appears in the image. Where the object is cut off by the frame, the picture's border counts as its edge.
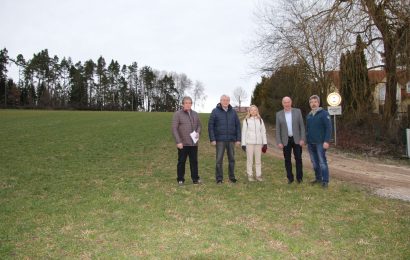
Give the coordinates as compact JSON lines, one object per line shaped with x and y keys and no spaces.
{"x":182,"y":84}
{"x":384,"y":26}
{"x":198,"y":93}
{"x":293,"y":34}
{"x":239,"y":95}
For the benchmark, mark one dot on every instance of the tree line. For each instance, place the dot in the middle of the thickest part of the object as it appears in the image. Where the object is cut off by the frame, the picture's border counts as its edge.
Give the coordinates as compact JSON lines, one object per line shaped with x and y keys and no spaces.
{"x":50,"y":82}
{"x":314,"y":34}
{"x":300,"y":43}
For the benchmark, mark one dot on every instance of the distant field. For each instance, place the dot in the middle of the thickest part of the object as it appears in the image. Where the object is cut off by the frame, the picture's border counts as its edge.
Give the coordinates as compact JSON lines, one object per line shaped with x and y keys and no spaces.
{"x":103,"y":185}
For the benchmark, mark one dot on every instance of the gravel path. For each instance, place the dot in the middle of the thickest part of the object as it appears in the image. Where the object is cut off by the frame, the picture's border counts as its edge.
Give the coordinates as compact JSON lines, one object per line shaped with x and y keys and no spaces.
{"x":383,"y":179}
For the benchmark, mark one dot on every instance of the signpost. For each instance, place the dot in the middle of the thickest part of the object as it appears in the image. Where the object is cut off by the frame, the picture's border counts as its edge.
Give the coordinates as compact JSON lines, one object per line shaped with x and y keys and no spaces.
{"x":334,"y":100}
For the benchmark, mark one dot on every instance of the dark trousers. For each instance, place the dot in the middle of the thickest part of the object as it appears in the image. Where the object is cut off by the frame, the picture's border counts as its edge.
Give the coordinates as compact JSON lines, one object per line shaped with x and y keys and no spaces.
{"x":297,"y":152}
{"x":192,"y":152}
{"x":220,"y":150}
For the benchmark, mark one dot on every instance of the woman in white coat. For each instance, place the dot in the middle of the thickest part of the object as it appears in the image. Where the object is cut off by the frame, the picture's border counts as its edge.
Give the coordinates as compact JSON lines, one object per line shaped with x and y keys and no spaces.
{"x":254,"y":142}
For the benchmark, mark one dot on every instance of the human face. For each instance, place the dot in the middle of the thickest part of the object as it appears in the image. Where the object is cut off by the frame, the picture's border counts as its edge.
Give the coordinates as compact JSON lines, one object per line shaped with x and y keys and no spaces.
{"x":287,"y":103}
{"x":253,"y":111}
{"x":187,"y":104}
{"x":314,"y":103}
{"x":225,"y":101}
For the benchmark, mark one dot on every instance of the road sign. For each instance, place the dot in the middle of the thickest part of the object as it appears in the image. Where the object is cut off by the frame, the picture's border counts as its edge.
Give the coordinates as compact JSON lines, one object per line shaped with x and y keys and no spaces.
{"x":334,"y":99}
{"x":335,"y":110}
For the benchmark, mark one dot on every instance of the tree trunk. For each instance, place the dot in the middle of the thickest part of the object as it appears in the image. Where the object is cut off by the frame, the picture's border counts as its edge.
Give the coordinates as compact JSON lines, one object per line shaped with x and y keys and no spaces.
{"x":390,"y":105}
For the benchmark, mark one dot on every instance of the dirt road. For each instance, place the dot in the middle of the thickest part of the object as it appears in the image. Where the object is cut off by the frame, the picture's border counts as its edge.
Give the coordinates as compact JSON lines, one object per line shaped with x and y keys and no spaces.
{"x":383,"y":179}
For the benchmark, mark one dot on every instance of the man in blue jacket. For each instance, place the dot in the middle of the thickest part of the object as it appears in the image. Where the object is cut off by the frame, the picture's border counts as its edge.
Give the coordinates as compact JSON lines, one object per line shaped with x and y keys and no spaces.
{"x":224,"y":131}
{"x":318,"y":133}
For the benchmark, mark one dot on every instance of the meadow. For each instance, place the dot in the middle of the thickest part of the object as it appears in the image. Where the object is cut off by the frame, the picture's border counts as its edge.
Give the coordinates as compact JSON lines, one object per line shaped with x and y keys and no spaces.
{"x":83,"y":185}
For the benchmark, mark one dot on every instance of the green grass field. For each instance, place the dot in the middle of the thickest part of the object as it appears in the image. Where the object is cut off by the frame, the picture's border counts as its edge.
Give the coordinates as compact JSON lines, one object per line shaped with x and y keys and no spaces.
{"x":103,"y":185}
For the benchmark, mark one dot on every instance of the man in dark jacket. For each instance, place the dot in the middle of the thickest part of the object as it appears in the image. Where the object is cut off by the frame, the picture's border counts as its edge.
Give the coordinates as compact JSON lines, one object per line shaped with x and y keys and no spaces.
{"x":318,"y":133}
{"x":224,"y":132}
{"x":186,"y":129}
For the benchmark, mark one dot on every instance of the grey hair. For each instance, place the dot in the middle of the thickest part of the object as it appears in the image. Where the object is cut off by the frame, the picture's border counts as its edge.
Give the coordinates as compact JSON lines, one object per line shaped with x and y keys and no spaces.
{"x":225,"y":96}
{"x":286,"y":97}
{"x":315,"y":97}
{"x":186,"y":98}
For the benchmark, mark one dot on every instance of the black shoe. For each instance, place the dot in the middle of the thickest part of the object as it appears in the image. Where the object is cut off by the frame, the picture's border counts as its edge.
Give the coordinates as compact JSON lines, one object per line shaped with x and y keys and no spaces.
{"x":315,"y":182}
{"x":219,"y":181}
{"x":299,"y":181}
{"x":233,"y":180}
{"x":290,"y":181}
{"x":197,"y":181}
{"x":325,"y":185}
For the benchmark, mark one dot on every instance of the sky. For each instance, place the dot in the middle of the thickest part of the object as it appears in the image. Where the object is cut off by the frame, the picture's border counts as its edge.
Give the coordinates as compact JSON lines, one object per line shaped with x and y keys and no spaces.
{"x":205,"y":39}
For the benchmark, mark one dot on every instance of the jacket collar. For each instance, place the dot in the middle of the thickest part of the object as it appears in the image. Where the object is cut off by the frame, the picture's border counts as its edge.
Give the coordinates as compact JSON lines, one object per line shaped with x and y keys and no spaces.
{"x":221,"y":108}
{"x":314,"y":112}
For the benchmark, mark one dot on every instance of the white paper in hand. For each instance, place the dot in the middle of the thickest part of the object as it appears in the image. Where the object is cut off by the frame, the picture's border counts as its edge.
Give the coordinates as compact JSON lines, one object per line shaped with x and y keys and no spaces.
{"x":194,"y":136}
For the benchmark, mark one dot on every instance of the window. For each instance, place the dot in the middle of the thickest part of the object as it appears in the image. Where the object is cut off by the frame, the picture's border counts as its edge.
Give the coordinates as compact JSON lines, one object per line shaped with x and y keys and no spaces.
{"x":382,"y":92}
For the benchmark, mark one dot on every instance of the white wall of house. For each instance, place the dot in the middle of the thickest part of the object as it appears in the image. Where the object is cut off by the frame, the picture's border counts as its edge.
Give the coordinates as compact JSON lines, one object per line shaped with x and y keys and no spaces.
{"x":379,"y":97}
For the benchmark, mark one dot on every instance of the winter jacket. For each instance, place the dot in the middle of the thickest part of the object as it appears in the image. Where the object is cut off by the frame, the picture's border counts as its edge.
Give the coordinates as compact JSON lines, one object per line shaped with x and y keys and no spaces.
{"x":318,"y":127}
{"x":184,"y":123}
{"x":224,"y":125}
{"x":253,"y":131}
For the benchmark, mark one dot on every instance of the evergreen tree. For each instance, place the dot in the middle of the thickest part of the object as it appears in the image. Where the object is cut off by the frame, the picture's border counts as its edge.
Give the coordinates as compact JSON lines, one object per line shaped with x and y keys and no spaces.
{"x":147,"y":79}
{"x":63,"y":90}
{"x":355,"y":88}
{"x":89,"y":72}
{"x":134,"y":86}
{"x":4,"y":60}
{"x":113,"y":89}
{"x":78,"y":93}
{"x":125,"y":96}
{"x":257,"y":97}
{"x":102,"y":82}
{"x":285,"y":81}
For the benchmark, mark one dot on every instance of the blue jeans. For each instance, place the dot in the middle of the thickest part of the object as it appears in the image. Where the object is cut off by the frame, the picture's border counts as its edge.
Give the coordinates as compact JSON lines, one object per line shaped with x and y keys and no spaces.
{"x":220,"y":150}
{"x":318,"y":158}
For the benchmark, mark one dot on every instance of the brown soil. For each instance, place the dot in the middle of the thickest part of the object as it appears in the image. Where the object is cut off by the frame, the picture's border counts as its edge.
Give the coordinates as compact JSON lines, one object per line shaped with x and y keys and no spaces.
{"x":384,"y":179}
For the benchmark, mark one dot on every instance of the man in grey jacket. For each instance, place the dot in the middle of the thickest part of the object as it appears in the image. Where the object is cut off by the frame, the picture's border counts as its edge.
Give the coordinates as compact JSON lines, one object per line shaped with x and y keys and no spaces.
{"x":290,"y":135}
{"x":186,"y":128}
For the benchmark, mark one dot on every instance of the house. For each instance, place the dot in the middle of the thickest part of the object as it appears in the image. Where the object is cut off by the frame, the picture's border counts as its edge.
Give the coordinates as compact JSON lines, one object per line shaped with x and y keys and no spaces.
{"x":241,"y":109}
{"x":378,"y":79}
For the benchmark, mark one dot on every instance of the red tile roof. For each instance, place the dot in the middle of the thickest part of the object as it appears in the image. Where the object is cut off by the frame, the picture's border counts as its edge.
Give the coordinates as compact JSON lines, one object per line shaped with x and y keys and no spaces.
{"x":375,"y":77}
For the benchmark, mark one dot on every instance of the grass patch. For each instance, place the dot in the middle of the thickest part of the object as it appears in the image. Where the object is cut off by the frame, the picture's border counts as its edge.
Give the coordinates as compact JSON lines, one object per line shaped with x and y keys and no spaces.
{"x":103,"y":185}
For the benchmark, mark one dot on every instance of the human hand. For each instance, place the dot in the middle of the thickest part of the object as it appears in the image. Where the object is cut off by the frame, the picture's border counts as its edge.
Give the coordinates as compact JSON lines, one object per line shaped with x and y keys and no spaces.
{"x":302,"y":143}
{"x":180,"y":146}
{"x":213,"y":143}
{"x":326,"y":145}
{"x":280,"y":146}
{"x":264,"y":148}
{"x":237,"y":143}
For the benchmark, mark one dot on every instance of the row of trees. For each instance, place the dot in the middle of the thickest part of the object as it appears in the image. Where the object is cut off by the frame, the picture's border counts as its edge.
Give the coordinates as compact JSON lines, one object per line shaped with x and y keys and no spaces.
{"x":302,"y":42}
{"x":314,"y":34}
{"x":50,"y":82}
{"x":291,"y":80}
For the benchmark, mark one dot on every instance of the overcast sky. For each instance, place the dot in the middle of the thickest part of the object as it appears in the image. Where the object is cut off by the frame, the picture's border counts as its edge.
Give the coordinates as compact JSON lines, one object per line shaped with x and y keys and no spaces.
{"x":207,"y":39}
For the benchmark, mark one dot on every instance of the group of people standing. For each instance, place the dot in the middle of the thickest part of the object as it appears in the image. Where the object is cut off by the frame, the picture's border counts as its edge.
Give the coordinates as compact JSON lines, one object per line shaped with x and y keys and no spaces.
{"x":224,"y":129}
